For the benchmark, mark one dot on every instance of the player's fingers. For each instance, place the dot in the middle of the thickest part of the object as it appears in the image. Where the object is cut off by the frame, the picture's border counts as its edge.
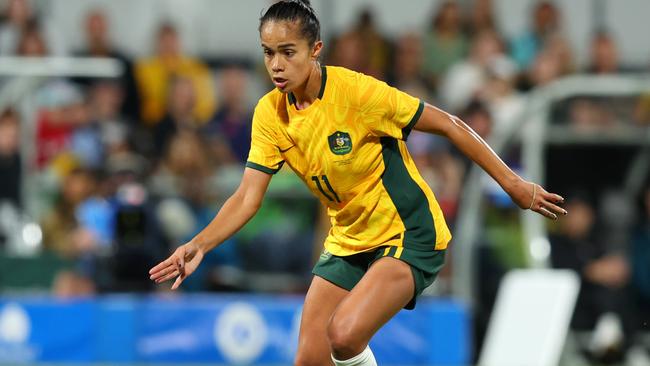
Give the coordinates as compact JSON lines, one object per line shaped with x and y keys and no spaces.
{"x":554,"y":208}
{"x":167,"y":277}
{"x":180,"y":257}
{"x":544,"y":212}
{"x":177,"y":264}
{"x":162,"y":272}
{"x":551,"y":197}
{"x":556,"y":198}
{"x":178,"y":282}
{"x":161,"y":265}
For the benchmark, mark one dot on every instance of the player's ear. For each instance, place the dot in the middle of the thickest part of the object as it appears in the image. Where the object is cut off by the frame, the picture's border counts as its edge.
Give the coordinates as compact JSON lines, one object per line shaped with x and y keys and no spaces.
{"x":316,"y":50}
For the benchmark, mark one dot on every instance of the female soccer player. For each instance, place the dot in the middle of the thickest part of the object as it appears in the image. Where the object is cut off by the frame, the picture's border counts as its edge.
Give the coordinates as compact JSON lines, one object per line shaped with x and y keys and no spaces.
{"x":343,"y":134}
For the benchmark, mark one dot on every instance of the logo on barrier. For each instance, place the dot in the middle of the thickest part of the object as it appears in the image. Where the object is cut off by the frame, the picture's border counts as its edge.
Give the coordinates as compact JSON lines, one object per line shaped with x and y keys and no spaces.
{"x":14,"y":324}
{"x":15,"y":329}
{"x":241,"y":333}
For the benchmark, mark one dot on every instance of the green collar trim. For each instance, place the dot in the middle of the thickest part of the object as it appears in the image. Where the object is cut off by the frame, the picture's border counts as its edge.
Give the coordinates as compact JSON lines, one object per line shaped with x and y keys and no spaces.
{"x":321,"y":92}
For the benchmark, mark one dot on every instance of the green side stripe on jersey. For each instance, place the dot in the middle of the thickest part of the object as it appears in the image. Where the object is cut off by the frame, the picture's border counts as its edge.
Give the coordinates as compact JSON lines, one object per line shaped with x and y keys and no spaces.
{"x":409,"y":199}
{"x":407,"y":130}
{"x":262,"y":168}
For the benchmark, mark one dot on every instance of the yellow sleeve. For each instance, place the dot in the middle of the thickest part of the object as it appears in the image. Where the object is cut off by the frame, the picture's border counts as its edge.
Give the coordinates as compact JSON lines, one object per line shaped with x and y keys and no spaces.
{"x":388,"y":111}
{"x":264,"y":154}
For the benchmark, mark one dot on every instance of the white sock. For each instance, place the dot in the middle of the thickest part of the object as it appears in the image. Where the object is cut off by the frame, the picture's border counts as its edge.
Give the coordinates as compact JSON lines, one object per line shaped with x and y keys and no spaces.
{"x":365,"y":358}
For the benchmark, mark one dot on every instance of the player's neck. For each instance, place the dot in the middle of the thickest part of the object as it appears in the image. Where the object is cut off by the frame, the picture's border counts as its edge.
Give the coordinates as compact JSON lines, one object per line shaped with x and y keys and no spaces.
{"x":307,"y":93}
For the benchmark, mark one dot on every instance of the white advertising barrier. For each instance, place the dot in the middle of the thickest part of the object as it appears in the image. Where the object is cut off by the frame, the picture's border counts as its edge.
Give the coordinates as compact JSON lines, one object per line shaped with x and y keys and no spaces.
{"x":531,"y":318}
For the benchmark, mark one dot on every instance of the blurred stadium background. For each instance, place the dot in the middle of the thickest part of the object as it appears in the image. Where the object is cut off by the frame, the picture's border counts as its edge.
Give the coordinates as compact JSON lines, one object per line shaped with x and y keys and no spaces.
{"x":125,"y":124}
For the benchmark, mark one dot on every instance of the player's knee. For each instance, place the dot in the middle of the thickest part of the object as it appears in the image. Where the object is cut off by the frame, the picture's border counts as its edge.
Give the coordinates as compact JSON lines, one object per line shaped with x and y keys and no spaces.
{"x":343,"y":339}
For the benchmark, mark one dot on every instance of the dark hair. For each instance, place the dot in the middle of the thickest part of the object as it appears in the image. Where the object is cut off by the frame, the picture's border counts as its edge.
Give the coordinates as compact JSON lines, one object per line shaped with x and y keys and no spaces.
{"x":295,"y":10}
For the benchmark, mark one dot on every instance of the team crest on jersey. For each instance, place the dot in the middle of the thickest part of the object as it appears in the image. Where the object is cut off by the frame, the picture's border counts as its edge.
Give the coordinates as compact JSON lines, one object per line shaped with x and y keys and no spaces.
{"x":340,"y":143}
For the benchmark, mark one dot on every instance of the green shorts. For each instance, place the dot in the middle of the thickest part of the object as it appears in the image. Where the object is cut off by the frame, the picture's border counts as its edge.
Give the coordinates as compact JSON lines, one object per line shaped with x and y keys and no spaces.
{"x":347,"y":271}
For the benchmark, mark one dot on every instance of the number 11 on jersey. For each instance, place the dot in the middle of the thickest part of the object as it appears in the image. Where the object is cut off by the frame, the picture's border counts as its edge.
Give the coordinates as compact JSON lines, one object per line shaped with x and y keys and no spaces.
{"x":332,"y":196}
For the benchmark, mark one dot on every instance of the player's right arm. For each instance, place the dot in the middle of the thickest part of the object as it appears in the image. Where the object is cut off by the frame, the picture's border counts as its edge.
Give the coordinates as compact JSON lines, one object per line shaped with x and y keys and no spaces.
{"x":264,"y":160}
{"x":236,"y":212}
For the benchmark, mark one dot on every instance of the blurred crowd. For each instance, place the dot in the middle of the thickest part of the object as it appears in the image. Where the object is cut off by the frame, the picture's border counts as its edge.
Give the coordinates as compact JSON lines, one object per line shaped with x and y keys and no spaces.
{"x":128,"y":168}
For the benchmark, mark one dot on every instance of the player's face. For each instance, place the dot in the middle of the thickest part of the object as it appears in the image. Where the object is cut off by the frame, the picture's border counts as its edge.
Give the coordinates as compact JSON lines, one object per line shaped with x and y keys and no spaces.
{"x":288,"y":56}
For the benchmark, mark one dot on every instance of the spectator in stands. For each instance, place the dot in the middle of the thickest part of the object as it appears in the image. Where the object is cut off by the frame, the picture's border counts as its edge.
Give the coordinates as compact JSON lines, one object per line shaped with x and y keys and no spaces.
{"x":465,"y":78}
{"x":86,"y":140}
{"x":544,"y":69}
{"x":60,"y":108}
{"x":481,"y":17}
{"x":229,"y":131}
{"x":558,"y":46}
{"x":444,"y":43}
{"x":478,"y":117}
{"x":105,"y":100}
{"x":407,"y":69}
{"x":62,"y":232}
{"x":10,"y":160}
{"x":598,"y":114}
{"x":581,"y":246}
{"x":102,"y":130}
{"x":98,"y":44}
{"x":545,"y":22}
{"x":185,"y":169}
{"x":553,"y":62}
{"x":604,"y":55}
{"x":348,"y":51}
{"x":590,"y":114}
{"x":373,"y":54}
{"x":17,"y":14}
{"x":377,"y":47}
{"x":155,"y":75}
{"x":19,"y":19}
{"x":179,"y":114}
{"x":31,"y":42}
{"x":505,"y":103}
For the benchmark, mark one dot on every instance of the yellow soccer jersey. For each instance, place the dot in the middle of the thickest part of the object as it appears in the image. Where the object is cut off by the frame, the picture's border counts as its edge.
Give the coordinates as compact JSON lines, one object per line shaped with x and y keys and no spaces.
{"x":349,"y":148}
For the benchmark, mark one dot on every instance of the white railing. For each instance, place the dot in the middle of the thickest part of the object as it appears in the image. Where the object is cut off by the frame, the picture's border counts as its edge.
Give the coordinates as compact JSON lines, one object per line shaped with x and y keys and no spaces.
{"x":535,"y":133}
{"x":21,"y":77}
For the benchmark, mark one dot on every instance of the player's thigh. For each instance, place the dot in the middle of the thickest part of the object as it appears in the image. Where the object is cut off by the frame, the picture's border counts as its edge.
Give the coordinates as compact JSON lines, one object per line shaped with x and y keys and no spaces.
{"x":322,"y":299}
{"x":382,"y":292}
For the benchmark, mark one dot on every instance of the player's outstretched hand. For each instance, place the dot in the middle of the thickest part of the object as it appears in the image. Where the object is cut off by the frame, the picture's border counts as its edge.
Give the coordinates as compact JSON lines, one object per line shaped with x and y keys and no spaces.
{"x":531,"y":196}
{"x":180,"y":265}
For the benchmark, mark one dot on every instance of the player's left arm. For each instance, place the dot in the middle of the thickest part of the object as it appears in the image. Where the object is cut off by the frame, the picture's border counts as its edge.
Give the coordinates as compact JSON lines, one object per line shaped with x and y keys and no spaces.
{"x":527,"y":195}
